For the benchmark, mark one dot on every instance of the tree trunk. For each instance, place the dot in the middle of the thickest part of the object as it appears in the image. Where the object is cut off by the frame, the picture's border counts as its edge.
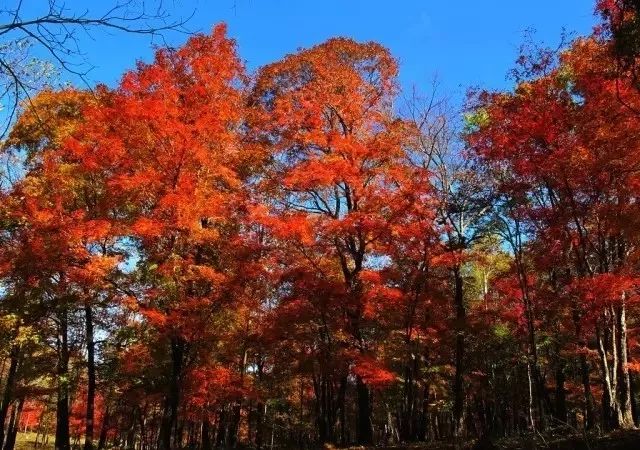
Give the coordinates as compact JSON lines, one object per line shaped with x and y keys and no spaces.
{"x":172,"y":401}
{"x":261,"y":410}
{"x":237,"y":407}
{"x":458,"y":382}
{"x":541,"y":400}
{"x":130,"y":437}
{"x":91,"y":379}
{"x":322,"y":420}
{"x":262,"y":413}
{"x":589,"y":420}
{"x":62,"y":405}
{"x":342,"y":396}
{"x":634,"y":404}
{"x":206,"y":443}
{"x":609,"y":407}
{"x":588,"y":410}
{"x":102,"y":440}
{"x":364,"y":427}
{"x":532,"y":421}
{"x":7,"y":396}
{"x":13,"y":426}
{"x":625,"y":420}
{"x":408,"y":403}
{"x":561,"y":399}
{"x":234,"y":423}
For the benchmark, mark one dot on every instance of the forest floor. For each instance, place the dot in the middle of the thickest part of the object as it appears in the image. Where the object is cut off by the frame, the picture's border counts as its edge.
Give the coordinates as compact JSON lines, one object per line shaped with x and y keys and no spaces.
{"x":627,"y":440}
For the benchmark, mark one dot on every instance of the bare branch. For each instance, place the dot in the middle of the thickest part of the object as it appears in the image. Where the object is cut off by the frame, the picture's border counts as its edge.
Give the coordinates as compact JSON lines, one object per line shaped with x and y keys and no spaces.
{"x":55,"y":32}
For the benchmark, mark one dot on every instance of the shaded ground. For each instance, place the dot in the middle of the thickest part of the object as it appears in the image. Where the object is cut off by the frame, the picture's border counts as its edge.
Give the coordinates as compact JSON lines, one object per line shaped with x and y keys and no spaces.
{"x":628,"y":440}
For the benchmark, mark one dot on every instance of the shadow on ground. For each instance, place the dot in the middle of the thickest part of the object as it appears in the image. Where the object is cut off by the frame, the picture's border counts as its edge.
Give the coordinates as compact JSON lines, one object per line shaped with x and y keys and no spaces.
{"x":628,"y":440}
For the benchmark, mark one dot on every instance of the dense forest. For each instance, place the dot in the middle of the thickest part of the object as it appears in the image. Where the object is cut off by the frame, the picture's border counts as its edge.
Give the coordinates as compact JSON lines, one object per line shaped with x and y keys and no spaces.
{"x":205,"y":257}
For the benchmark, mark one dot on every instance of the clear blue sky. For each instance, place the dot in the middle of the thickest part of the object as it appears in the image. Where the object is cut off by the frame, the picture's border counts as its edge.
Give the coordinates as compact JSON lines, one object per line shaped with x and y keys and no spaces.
{"x":465,"y":43}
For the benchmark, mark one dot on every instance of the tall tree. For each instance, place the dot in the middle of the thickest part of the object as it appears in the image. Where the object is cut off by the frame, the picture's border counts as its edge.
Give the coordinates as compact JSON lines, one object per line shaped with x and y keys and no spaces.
{"x":338,"y":179}
{"x":168,"y":138}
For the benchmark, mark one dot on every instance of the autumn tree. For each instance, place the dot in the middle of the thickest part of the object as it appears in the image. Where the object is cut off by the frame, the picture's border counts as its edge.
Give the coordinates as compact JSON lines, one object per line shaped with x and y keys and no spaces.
{"x":339,"y":186}
{"x":622,"y":26}
{"x":58,"y":222}
{"x":565,"y":158}
{"x":168,"y":138}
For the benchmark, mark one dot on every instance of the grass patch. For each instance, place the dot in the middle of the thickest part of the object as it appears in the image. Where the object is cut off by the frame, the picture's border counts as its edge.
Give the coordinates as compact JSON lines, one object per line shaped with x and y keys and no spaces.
{"x":26,"y":441}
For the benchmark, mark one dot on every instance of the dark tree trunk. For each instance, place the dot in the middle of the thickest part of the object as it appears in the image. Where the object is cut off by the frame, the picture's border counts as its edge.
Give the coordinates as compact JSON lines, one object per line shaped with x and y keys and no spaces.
{"x":130,"y":438}
{"x":7,"y":396}
{"x":408,"y":404}
{"x":561,"y":402}
{"x":62,"y":405}
{"x":342,"y":396}
{"x":260,"y":407}
{"x":13,"y":426}
{"x":634,"y":404}
{"x":172,"y":401}
{"x":261,"y":411}
{"x":102,"y":440}
{"x":589,"y":420}
{"x":237,"y":408}
{"x":223,"y":427}
{"x":364,"y":427}
{"x":206,"y":443}
{"x":91,"y":379}
{"x":234,"y":424}
{"x":321,"y":407}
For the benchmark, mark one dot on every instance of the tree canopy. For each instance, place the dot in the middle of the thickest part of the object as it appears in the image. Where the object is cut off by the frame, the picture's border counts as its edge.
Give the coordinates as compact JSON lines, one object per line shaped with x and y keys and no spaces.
{"x":205,"y":257}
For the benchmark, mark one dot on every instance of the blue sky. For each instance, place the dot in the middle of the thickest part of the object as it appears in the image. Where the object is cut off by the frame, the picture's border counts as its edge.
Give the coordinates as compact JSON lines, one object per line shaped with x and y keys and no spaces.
{"x":464,"y":43}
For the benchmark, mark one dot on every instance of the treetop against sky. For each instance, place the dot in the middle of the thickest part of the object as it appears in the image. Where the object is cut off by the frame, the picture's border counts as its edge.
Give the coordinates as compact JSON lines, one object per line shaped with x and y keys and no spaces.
{"x":464,"y":44}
